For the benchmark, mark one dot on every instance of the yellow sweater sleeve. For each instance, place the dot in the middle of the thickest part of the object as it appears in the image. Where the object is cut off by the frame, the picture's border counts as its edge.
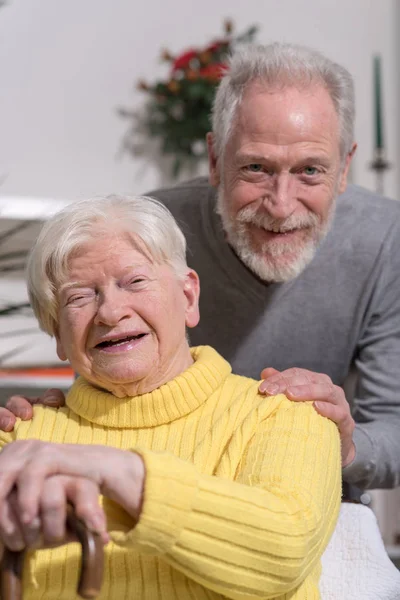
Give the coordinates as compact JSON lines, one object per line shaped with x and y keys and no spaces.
{"x":6,"y":438}
{"x":256,"y":537}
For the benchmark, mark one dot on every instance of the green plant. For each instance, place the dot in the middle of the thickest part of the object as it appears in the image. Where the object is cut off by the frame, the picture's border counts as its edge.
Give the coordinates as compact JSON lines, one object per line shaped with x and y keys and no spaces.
{"x":177,"y":110}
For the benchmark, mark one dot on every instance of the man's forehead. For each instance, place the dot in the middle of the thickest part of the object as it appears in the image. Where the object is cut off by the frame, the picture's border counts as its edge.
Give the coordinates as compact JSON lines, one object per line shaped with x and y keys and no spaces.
{"x":260,"y":101}
{"x":285,"y":117}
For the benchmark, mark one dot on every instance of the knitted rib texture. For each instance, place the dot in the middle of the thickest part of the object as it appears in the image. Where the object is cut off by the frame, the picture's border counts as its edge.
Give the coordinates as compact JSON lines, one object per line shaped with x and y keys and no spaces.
{"x":241,"y":496}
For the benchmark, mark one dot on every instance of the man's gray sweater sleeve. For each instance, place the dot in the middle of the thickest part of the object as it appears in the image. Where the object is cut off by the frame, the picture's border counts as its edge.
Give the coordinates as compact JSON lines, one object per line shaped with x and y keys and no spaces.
{"x":376,"y":406}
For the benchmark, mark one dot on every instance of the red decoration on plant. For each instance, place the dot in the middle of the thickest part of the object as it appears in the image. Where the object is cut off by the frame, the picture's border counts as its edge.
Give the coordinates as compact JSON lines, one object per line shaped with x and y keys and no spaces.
{"x":183,"y":61}
{"x":177,"y":110}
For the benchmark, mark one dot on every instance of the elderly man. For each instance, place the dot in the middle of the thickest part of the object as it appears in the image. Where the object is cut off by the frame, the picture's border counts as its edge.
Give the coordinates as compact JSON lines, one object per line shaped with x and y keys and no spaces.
{"x":298,"y":273}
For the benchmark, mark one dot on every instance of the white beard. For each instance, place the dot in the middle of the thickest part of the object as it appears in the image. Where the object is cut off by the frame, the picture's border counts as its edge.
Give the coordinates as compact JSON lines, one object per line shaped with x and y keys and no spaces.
{"x":269,"y":262}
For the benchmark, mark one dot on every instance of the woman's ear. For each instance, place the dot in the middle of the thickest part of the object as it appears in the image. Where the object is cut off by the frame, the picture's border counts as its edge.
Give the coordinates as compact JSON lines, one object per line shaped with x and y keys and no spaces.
{"x":191,"y":289}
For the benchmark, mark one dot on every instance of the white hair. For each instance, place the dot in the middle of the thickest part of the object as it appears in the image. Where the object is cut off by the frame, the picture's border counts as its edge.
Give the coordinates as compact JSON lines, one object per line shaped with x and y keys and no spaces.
{"x":140,"y":217}
{"x":280,"y":66}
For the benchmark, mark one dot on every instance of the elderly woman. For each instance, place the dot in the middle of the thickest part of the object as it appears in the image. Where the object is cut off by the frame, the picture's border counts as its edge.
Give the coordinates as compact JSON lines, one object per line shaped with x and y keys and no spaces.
{"x":201,"y":487}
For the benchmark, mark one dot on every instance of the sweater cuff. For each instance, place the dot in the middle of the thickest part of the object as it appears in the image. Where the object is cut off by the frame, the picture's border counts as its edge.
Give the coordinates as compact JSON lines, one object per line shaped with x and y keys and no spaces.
{"x":171,"y":485}
{"x":362,"y":468}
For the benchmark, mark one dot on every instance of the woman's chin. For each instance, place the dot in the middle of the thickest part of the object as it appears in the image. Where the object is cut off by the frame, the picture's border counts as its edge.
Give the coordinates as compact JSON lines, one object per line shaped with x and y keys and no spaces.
{"x":122,"y":381}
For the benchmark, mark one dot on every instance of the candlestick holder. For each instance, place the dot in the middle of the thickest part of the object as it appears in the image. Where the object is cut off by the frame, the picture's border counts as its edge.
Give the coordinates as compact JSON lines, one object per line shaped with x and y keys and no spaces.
{"x":379,"y":164}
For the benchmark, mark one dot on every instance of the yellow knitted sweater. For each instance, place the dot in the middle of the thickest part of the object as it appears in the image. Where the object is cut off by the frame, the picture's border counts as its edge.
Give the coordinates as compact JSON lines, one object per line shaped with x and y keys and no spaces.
{"x":242,"y":492}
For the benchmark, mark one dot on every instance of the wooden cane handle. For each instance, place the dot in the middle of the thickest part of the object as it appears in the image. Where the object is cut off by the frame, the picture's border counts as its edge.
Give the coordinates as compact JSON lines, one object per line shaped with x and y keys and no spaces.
{"x":11,"y":575}
{"x":92,"y":563}
{"x":91,"y":572}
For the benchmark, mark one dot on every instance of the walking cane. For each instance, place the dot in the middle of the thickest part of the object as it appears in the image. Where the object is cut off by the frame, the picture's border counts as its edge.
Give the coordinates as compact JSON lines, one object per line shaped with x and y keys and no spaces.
{"x":92,"y":562}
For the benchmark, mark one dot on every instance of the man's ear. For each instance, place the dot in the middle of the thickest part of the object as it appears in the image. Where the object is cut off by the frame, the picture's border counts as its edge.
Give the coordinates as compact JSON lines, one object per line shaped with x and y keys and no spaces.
{"x":213,"y":167}
{"x":60,"y":349}
{"x":345,"y":172}
{"x":191,"y":289}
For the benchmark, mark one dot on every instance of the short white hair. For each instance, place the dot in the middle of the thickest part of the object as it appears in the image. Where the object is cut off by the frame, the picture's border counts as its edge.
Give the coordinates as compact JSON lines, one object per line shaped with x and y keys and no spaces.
{"x":279,"y":66}
{"x":140,"y":217}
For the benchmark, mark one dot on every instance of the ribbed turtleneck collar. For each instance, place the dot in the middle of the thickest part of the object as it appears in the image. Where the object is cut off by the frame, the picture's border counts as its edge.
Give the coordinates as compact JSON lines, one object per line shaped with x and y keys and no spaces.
{"x":171,"y":401}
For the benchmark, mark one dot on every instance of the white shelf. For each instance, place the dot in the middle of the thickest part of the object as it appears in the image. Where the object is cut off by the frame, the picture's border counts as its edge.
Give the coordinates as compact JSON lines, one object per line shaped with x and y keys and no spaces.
{"x":22,"y":381}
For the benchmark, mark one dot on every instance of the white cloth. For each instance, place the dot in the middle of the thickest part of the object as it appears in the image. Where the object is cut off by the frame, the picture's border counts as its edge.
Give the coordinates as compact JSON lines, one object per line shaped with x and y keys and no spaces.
{"x":355,"y":565}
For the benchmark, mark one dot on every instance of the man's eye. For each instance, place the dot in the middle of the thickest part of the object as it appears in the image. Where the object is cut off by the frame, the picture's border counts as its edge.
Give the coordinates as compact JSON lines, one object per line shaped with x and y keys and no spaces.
{"x":310,"y":170}
{"x":255,"y":167}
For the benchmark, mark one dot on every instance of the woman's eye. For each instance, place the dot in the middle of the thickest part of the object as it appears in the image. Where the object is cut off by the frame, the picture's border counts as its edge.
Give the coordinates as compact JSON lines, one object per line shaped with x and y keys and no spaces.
{"x":135,"y":282}
{"x":76,"y":299}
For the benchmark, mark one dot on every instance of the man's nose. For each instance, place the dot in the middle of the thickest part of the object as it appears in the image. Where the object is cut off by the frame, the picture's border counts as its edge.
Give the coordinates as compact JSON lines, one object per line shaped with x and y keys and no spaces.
{"x":281,"y":199}
{"x":113,"y":306}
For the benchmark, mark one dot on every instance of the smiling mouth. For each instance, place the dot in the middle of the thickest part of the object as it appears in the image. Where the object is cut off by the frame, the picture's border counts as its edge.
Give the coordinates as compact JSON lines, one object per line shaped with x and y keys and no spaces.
{"x":278,"y":233}
{"x":120,"y":341}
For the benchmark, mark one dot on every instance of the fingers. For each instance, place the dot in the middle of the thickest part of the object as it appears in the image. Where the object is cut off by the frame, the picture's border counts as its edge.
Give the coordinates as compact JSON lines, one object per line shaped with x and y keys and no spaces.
{"x":20,"y":407}
{"x":11,"y":534}
{"x":7,"y":420}
{"x":268,"y":372}
{"x":52,"y":397}
{"x":13,"y":458}
{"x":49,"y":529}
{"x":329,"y":400}
{"x":324,"y":392}
{"x":339,"y":414}
{"x":53,"y":510}
{"x":84,"y":495}
{"x":279,"y":382}
{"x":27,"y":464}
{"x":28,"y":470}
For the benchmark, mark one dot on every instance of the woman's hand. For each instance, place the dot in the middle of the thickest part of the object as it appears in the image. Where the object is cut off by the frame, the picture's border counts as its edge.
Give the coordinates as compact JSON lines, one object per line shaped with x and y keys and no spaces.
{"x":25,"y":467}
{"x":49,"y":528}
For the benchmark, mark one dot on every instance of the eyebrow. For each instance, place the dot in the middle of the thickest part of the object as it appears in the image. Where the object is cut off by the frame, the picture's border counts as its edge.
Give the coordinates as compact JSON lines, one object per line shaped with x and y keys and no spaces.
{"x":260,"y":159}
{"x":77,"y":284}
{"x":74,"y":284}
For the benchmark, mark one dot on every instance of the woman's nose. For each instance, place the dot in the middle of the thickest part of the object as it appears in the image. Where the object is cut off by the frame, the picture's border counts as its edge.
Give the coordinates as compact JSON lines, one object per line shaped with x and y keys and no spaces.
{"x":113,"y":306}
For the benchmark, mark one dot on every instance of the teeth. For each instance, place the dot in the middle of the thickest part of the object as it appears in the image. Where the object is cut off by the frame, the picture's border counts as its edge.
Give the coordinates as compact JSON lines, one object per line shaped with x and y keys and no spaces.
{"x":279,"y":230}
{"x":120,"y":341}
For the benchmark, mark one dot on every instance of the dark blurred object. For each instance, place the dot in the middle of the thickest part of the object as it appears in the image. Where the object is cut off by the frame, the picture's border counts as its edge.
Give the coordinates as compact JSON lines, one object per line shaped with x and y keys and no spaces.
{"x":16,"y":238}
{"x":379,"y":163}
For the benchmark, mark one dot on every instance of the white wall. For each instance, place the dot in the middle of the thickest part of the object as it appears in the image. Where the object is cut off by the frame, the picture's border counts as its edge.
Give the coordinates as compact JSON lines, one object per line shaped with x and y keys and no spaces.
{"x":66,"y":65}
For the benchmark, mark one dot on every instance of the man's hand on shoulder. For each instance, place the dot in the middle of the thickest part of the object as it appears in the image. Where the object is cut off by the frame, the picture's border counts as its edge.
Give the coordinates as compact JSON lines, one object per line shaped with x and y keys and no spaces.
{"x":20,"y":406}
{"x":329,"y":400}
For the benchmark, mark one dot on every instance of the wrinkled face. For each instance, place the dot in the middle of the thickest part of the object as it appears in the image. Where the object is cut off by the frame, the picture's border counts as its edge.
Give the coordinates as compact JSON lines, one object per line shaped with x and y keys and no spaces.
{"x":280,"y":175}
{"x":122,"y":317}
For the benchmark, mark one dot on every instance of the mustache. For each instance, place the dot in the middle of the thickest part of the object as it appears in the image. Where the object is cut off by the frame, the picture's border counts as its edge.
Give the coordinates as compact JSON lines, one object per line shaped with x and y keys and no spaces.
{"x":252,"y":216}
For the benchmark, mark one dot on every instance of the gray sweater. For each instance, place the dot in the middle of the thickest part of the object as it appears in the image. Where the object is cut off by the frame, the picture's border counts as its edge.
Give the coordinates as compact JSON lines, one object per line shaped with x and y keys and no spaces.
{"x":341,"y":315}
